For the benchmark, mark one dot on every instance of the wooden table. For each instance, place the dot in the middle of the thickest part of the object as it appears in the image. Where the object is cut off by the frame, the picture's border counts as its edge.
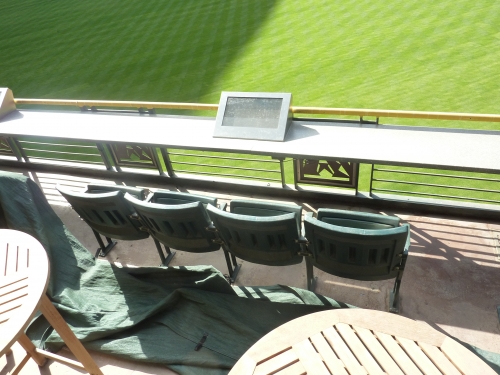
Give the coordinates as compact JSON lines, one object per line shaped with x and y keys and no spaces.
{"x":24,"y":277}
{"x":358,"y":342}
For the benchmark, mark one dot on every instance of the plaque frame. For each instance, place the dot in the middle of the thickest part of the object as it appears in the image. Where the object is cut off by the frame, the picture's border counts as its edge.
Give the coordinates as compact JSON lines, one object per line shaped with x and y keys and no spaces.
{"x":277,"y":133}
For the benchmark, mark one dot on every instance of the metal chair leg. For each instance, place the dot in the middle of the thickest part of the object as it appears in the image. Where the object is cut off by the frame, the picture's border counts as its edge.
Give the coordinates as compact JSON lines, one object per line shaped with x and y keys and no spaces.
{"x":102,"y":251}
{"x":311,"y":281}
{"x":170,"y":255}
{"x":233,"y":259}
{"x":394,"y":296}
{"x":232,"y":266}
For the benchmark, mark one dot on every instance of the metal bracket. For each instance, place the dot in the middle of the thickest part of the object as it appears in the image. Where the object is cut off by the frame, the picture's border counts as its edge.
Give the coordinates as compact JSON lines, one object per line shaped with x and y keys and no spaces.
{"x":134,"y":216}
{"x":144,"y":110}
{"x":211,"y":228}
{"x":304,"y":253}
{"x":302,"y":241}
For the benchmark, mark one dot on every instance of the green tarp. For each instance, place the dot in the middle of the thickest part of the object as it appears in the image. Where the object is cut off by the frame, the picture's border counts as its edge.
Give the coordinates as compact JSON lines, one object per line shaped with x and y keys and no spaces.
{"x":152,"y":314}
{"x":149,"y":314}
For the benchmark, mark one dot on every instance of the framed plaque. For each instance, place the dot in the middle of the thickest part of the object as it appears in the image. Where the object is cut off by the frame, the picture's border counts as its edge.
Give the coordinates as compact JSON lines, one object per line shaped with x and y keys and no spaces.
{"x":253,"y":115}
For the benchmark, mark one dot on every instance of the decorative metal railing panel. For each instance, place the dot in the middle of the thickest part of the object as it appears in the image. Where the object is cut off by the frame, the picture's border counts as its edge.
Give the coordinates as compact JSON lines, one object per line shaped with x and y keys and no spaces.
{"x":134,"y":156}
{"x":327,"y":172}
{"x":404,"y":182}
{"x":438,"y":184}
{"x":464,"y":190}
{"x":5,"y":148}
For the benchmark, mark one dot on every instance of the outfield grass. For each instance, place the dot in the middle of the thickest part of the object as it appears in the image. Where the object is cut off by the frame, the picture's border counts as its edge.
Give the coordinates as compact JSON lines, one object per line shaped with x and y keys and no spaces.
{"x":412,"y":55}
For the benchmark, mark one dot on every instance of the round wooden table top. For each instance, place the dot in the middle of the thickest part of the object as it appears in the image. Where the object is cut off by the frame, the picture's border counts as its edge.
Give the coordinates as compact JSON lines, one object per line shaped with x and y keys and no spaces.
{"x":24,"y":276}
{"x":358,"y":342}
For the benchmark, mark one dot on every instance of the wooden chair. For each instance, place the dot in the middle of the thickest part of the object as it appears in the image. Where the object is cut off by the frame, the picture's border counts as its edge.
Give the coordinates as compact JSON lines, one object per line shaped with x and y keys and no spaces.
{"x":24,"y":276}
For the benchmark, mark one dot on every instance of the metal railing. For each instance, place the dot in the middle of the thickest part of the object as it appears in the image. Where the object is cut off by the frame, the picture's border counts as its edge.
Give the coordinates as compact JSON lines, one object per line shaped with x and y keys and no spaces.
{"x":80,"y":153}
{"x":384,"y":183}
{"x":243,"y":166}
{"x":439,"y":184}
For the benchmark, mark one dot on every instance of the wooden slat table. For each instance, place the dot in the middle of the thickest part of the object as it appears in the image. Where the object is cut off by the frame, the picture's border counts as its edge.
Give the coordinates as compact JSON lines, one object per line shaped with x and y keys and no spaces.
{"x":24,"y":277}
{"x":358,"y":342}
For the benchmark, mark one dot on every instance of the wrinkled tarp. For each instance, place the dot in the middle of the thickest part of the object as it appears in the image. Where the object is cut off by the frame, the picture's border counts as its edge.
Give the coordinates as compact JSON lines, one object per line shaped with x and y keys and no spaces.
{"x":151,"y":314}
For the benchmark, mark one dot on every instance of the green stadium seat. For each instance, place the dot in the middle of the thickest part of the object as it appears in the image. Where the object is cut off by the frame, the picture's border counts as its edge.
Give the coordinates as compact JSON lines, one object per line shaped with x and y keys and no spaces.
{"x":356,"y":245}
{"x":107,"y":213}
{"x":180,"y":221}
{"x":260,"y":232}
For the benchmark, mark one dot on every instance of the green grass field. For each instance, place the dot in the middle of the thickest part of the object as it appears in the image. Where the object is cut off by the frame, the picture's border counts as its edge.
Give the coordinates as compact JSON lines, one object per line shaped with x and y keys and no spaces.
{"x":413,"y":55}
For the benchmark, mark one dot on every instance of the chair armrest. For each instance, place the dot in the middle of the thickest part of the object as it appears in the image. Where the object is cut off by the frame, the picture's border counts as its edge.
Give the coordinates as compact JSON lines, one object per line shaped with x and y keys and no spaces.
{"x":149,"y":197}
{"x":304,"y":250}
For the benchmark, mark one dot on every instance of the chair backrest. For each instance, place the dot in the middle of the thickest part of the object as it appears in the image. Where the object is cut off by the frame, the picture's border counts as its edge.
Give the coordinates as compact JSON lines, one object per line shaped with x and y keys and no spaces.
{"x":107,"y":213}
{"x":268,"y":240}
{"x":361,"y":254}
{"x":260,"y":208}
{"x":179,"y":226}
{"x":174,"y":197}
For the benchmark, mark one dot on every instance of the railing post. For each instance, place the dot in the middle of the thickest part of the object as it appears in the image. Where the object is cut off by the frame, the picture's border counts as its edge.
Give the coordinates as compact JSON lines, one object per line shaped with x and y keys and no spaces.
{"x":115,"y":162}
{"x":282,"y":169}
{"x":154,"y":152}
{"x":104,"y":156}
{"x":168,"y":163}
{"x":295,"y":174}
{"x":21,"y":150}
{"x":371,"y":179}
{"x":13,"y":146}
{"x":356,"y":184}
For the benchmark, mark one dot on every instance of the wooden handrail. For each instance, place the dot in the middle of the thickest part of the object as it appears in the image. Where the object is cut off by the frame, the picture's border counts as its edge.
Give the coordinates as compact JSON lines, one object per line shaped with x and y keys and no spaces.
{"x":401,"y":114}
{"x":295,"y":109}
{"x":120,"y":104}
